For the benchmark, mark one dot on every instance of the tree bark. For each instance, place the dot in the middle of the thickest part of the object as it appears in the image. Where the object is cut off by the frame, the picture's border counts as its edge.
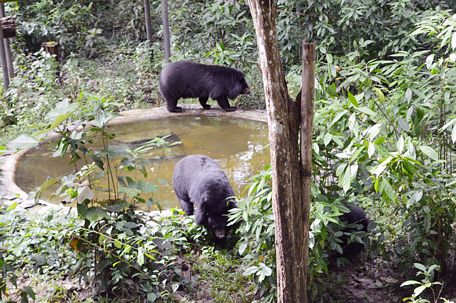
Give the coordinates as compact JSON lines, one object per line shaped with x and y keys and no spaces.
{"x":166,"y":32}
{"x":291,"y":243}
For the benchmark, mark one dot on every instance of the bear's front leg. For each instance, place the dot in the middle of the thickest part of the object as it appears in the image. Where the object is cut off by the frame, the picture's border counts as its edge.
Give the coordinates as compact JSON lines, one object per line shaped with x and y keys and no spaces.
{"x":200,"y":216}
{"x":225,"y":104}
{"x":187,"y":207}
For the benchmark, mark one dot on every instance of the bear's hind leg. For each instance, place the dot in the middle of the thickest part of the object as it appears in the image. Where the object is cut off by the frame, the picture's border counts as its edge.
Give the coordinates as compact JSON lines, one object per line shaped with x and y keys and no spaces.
{"x":171,"y":103}
{"x":203,"y":102}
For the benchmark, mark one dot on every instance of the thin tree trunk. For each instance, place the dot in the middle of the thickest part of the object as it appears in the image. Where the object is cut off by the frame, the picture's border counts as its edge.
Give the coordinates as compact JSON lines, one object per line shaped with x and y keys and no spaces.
{"x":9,"y":57}
{"x":307,"y":98}
{"x":291,"y":243}
{"x":148,"y":21}
{"x":166,"y":32}
{"x":3,"y":60}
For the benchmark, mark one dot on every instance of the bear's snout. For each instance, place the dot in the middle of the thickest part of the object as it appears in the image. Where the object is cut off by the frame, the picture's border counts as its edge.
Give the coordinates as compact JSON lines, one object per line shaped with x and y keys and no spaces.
{"x":220,"y":233}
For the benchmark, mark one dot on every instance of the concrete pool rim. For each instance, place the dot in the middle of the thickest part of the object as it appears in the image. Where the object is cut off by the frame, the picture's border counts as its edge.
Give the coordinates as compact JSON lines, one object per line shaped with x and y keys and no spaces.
{"x":13,"y":192}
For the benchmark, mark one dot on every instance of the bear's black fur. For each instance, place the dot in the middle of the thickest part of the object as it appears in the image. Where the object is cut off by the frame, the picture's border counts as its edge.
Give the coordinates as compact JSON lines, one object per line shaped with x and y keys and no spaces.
{"x":356,"y":220}
{"x":185,"y":79}
{"x":204,"y":190}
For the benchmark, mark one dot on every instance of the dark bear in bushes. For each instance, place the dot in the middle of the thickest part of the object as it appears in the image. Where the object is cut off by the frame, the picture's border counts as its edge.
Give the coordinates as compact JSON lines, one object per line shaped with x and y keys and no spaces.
{"x":204,"y":190}
{"x":185,"y":79}
{"x":356,"y":220}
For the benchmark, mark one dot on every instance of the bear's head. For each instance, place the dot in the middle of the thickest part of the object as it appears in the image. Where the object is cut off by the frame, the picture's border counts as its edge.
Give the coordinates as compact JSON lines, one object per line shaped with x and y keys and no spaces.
{"x":218,"y":222}
{"x":218,"y":225}
{"x":239,"y":85}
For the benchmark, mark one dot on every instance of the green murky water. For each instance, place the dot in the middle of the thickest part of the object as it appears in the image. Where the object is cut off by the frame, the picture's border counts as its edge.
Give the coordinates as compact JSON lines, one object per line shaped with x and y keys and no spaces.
{"x":239,"y":146}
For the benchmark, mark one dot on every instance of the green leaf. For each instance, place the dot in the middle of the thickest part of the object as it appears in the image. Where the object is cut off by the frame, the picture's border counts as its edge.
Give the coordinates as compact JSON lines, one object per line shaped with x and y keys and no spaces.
{"x":400,"y":144}
{"x":95,"y":214}
{"x":374,"y":131}
{"x":118,"y":244}
{"x":380,"y":95}
{"x":453,"y":41}
{"x":453,"y":134}
{"x":346,"y":179}
{"x":59,"y":120}
{"x":48,"y":183}
{"x":327,"y":138}
{"x":370,"y":149}
{"x":420,"y":267}
{"x":250,"y":271}
{"x":147,"y":187}
{"x":410,"y":282}
{"x":367,"y":111}
{"x":140,"y":258}
{"x":417,"y":291}
{"x":265,"y":270}
{"x":151,"y":297}
{"x":430,"y":60}
{"x":242,"y":248}
{"x":130,"y":192}
{"x":430,"y":152}
{"x":353,"y":100}
{"x":387,"y":189}
{"x":337,"y":117}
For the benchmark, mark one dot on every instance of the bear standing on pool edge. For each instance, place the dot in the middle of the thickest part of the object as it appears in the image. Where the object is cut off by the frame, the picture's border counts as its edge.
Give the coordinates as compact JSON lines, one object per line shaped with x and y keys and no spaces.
{"x":185,"y":79}
{"x":204,"y":190}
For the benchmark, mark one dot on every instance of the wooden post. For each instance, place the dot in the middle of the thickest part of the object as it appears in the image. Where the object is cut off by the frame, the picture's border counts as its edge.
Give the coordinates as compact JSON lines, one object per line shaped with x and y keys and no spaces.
{"x":166,"y":32}
{"x":3,"y":60}
{"x":148,"y":21}
{"x":283,"y":123}
{"x":307,"y":108}
{"x":9,"y":57}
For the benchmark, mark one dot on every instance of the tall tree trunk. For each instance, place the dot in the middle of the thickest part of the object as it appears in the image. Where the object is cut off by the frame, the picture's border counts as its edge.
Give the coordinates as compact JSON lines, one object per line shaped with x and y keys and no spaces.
{"x":166,"y":31}
{"x":3,"y":60}
{"x":148,"y":21}
{"x":291,"y":245}
{"x":307,"y":108}
{"x":8,"y":55}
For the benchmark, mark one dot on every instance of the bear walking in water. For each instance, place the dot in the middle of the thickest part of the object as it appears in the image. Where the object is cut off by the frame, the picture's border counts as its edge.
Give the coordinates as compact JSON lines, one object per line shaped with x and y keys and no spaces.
{"x":204,"y":190}
{"x":185,"y":79}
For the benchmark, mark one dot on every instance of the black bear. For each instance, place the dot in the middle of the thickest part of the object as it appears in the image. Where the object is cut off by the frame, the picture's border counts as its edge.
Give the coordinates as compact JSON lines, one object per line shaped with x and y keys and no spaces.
{"x":204,"y":190}
{"x":185,"y":79}
{"x":356,"y":220}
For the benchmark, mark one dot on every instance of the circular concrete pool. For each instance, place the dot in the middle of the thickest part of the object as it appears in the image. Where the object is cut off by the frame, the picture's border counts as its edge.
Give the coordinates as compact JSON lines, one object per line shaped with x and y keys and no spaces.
{"x":239,"y":145}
